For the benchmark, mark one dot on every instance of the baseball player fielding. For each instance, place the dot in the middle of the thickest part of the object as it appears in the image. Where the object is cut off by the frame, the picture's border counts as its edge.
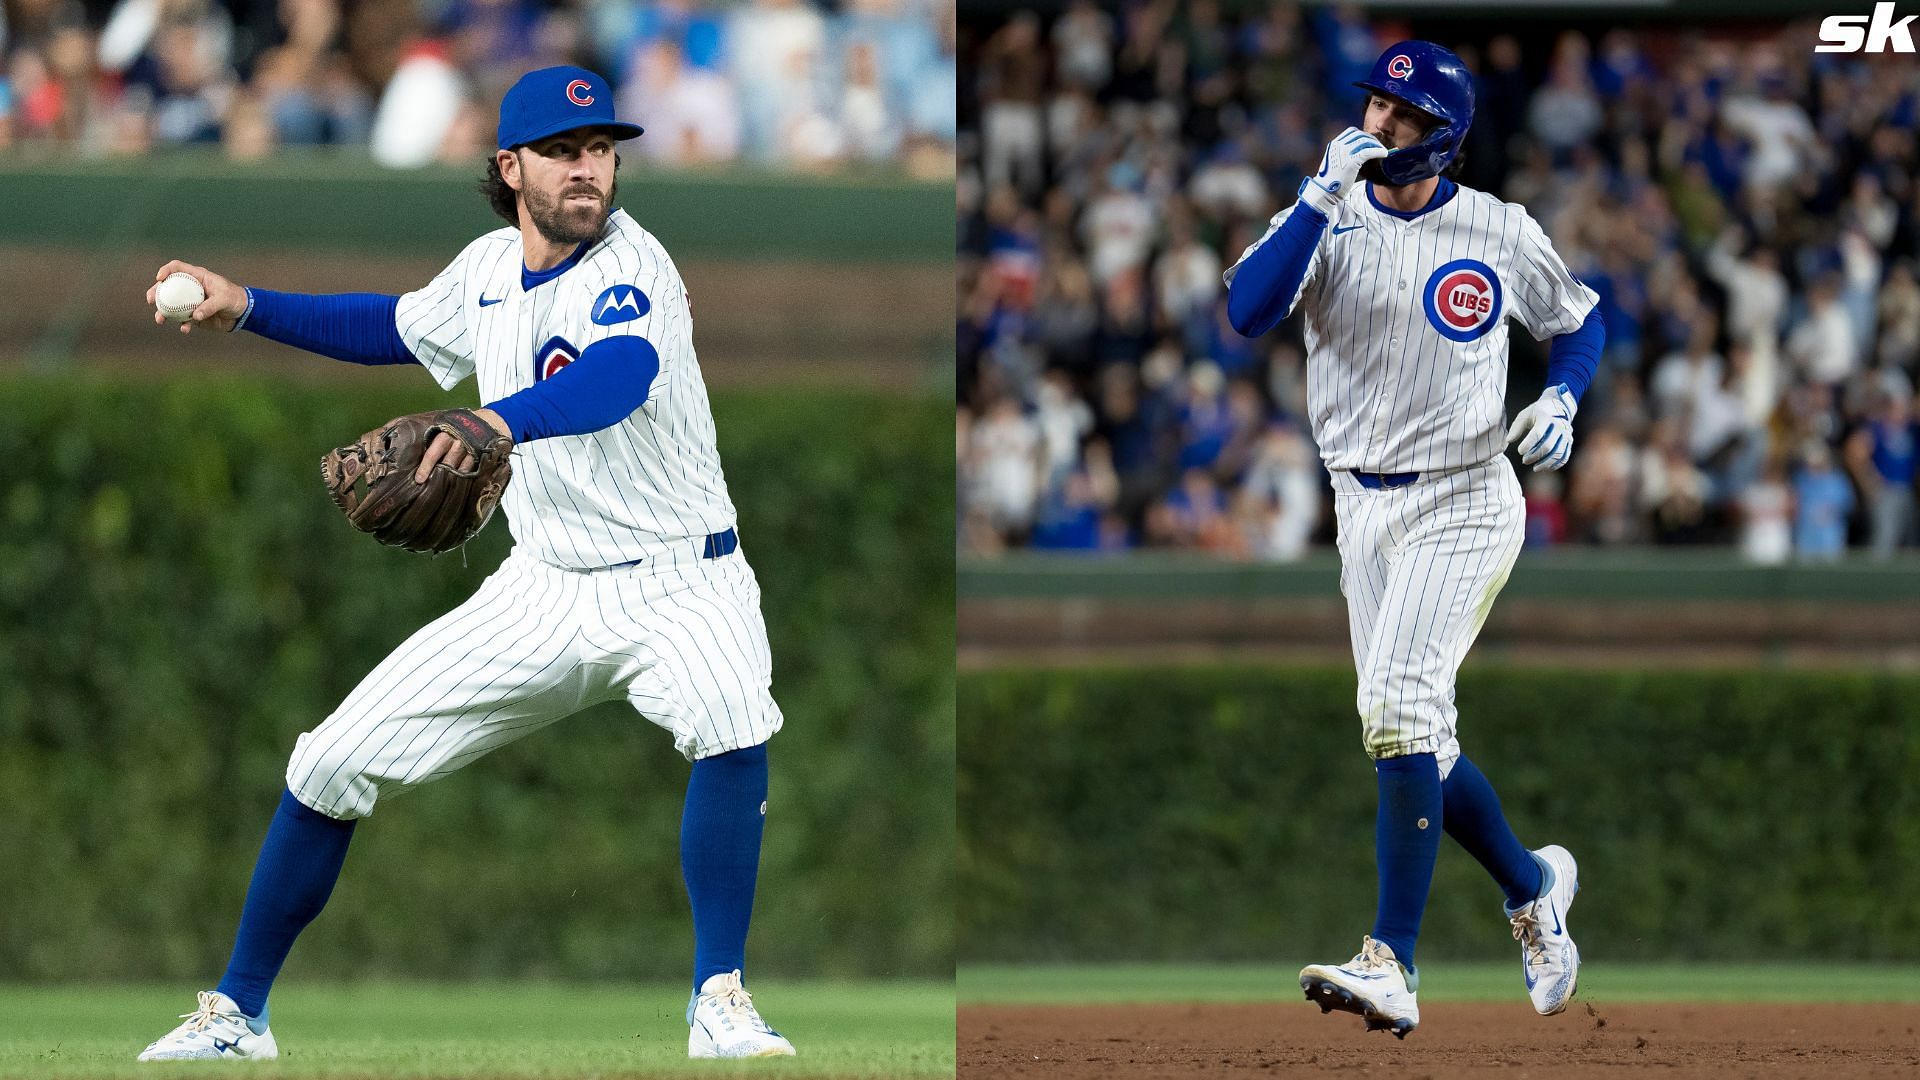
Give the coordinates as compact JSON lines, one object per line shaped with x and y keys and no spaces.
{"x":1406,"y":283}
{"x":626,"y":580}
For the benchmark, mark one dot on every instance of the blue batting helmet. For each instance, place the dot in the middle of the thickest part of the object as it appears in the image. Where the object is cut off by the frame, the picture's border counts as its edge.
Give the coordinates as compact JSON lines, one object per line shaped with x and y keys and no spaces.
{"x":1432,"y":79}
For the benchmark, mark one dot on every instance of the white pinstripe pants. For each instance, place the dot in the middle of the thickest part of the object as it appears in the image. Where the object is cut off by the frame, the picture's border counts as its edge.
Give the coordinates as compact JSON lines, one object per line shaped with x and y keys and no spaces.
{"x":680,"y":637}
{"x":1420,"y":566}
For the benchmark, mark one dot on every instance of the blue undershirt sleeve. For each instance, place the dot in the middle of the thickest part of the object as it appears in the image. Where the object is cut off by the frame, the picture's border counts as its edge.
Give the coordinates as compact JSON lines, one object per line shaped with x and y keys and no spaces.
{"x":599,"y":390}
{"x":1575,"y":356}
{"x":360,"y":328}
{"x":1264,"y":286}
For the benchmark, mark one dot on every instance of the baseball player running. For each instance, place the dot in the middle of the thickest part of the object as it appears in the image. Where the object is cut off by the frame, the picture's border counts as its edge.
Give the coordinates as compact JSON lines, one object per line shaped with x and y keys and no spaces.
{"x":1406,"y":284}
{"x":626,"y":579}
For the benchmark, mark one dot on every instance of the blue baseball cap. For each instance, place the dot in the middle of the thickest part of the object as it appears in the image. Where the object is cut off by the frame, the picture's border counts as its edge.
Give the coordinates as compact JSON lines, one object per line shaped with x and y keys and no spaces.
{"x":556,"y":99}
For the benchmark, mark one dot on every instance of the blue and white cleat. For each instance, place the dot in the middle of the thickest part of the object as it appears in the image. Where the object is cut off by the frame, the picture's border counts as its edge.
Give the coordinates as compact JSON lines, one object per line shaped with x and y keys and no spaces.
{"x":1372,"y":984}
{"x":722,"y":1023}
{"x":217,"y":1030}
{"x":1552,"y":961}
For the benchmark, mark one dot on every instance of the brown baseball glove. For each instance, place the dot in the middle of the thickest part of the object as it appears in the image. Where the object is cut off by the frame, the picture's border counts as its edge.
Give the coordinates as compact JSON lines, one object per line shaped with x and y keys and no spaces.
{"x":372,"y":482}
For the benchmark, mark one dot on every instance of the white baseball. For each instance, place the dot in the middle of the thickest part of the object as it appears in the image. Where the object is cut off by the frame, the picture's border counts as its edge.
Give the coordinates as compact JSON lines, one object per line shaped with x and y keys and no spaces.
{"x":177,"y":296}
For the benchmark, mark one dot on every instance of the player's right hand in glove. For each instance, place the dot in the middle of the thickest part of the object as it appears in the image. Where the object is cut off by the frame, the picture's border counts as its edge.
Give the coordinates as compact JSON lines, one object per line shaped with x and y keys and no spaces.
{"x":1544,"y":429}
{"x":1340,"y":170}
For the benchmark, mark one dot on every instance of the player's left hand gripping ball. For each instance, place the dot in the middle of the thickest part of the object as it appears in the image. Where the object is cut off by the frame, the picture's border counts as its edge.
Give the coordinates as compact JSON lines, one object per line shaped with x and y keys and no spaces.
{"x":1544,"y":429}
{"x":372,"y":480}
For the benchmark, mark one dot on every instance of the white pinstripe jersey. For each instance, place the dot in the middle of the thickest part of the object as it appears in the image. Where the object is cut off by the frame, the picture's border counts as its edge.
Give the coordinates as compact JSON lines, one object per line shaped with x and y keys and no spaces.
{"x":1406,"y":329}
{"x":612,"y":496}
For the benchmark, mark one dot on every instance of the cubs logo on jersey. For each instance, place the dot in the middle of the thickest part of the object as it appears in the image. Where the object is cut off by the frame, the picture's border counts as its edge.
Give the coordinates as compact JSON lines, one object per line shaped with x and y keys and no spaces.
{"x":621,"y":303}
{"x":1463,"y":299}
{"x":551,"y":357}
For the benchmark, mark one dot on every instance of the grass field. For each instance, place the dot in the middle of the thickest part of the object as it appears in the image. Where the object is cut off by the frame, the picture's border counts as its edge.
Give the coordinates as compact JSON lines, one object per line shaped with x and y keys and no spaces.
{"x":870,"y":1029}
{"x":1090,"y":985}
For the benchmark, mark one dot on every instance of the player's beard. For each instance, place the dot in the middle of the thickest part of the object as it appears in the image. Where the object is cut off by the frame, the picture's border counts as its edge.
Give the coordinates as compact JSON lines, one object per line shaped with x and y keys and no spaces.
{"x":564,"y":222}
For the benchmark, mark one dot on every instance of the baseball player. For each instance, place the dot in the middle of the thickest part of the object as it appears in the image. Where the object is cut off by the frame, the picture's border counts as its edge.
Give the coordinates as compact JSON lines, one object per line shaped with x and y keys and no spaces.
{"x":626,"y":579}
{"x":1406,"y":284}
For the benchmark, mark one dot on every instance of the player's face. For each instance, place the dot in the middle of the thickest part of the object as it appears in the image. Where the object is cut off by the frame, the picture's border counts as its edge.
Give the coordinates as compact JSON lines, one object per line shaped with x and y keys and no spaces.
{"x":1395,"y":123}
{"x":567,"y":184}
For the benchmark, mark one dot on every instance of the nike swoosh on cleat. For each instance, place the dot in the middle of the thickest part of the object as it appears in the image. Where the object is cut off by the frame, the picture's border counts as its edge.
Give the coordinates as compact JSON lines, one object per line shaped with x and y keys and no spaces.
{"x":221,"y":1046}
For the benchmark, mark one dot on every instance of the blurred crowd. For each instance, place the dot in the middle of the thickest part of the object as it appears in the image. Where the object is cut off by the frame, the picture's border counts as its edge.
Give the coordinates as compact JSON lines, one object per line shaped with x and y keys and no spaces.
{"x":780,"y":83}
{"x":1744,"y":207}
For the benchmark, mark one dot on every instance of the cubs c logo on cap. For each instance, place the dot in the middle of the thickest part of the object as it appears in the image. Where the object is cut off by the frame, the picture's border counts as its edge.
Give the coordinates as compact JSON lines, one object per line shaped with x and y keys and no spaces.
{"x":1463,"y":300}
{"x":1400,"y":66}
{"x":577,"y":92}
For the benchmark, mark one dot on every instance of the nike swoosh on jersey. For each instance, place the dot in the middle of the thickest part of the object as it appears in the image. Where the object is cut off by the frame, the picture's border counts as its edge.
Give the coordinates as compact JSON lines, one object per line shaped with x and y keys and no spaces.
{"x":1337,"y":230}
{"x":484,"y":302}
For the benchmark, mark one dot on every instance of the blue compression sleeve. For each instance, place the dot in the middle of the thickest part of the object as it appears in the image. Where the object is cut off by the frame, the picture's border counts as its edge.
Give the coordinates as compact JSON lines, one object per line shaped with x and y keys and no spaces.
{"x":600,"y":389}
{"x":360,"y":328}
{"x":1264,"y":287}
{"x":1576,"y":355}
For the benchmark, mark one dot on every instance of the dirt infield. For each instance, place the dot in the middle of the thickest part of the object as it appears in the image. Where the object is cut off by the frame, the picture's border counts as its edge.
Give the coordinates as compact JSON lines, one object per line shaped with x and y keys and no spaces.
{"x":1459,"y":1040}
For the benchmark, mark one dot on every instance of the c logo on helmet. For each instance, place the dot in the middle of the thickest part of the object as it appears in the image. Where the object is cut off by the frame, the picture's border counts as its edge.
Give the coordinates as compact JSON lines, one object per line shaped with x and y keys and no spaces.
{"x":577,"y":92}
{"x":1463,"y":300}
{"x":1400,"y":66}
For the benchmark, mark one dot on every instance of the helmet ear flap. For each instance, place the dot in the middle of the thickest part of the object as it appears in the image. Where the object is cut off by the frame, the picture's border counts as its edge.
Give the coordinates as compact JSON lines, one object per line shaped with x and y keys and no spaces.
{"x":1427,"y":158}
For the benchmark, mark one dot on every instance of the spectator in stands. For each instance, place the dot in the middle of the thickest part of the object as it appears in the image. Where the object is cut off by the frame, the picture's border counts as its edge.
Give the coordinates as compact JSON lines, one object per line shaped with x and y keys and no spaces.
{"x":1899,"y":319}
{"x":1881,"y":457}
{"x":420,"y":107}
{"x":1281,"y":501}
{"x":873,"y":131}
{"x":1194,"y":515}
{"x":1007,"y":467}
{"x":1566,"y":112}
{"x":1546,"y":514}
{"x":1012,"y":77}
{"x":1766,"y":519}
{"x":1822,"y":344}
{"x":691,"y":113}
{"x":304,"y":84}
{"x":1822,"y":499}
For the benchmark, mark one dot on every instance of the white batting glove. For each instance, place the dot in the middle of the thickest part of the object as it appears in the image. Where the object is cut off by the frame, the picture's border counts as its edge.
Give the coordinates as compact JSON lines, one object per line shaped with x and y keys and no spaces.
{"x":1339,"y":170}
{"x":1544,"y":429}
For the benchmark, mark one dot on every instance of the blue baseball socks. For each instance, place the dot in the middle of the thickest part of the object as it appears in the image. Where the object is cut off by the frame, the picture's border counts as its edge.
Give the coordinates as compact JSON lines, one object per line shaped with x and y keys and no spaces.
{"x":1406,"y":841}
{"x":1475,"y":822}
{"x":298,"y":865}
{"x":720,"y":855}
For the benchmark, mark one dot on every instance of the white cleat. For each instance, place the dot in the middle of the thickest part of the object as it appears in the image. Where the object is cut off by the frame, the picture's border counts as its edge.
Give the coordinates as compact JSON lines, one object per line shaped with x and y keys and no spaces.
{"x":722,"y":1023}
{"x":1546,"y":948}
{"x":217,"y":1030}
{"x":1373,"y":984}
